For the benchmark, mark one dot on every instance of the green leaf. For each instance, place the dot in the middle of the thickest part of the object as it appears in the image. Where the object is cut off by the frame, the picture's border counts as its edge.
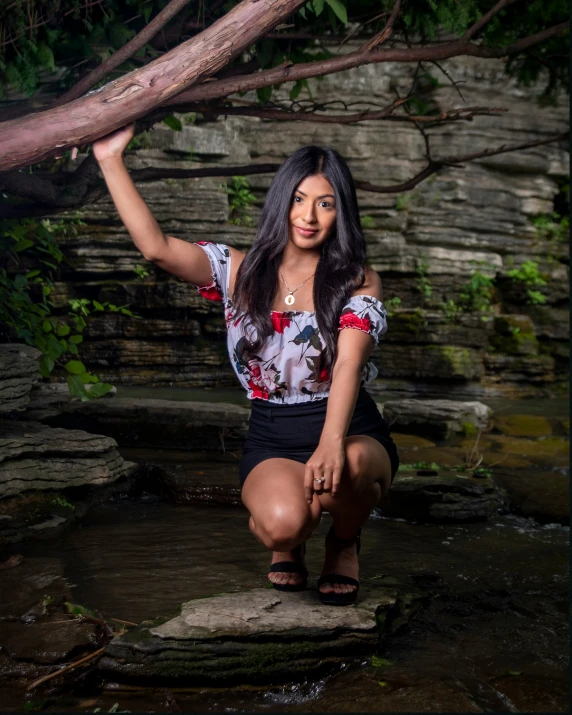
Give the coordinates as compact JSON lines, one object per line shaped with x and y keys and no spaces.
{"x":73,"y":349}
{"x":47,"y":326}
{"x":46,"y":57}
{"x":22,"y":245}
{"x":86,"y":378}
{"x":76,"y":610}
{"x":514,"y":672}
{"x":75,"y":387}
{"x":46,"y":365}
{"x":318,"y":6}
{"x":173,"y":122}
{"x":75,"y":339}
{"x":378,"y":662}
{"x":339,"y":9}
{"x":75,"y":367}
{"x":383,"y":683}
{"x":99,"y":389}
{"x":63,"y":330}
{"x":97,"y":305}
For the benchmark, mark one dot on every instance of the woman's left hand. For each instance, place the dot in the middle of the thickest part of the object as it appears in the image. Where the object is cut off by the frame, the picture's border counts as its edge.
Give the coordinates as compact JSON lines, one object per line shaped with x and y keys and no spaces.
{"x":326,"y":463}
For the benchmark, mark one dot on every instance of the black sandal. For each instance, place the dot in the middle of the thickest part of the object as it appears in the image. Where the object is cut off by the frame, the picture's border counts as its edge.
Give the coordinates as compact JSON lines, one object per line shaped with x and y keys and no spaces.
{"x":333,"y":598}
{"x":290,"y":567}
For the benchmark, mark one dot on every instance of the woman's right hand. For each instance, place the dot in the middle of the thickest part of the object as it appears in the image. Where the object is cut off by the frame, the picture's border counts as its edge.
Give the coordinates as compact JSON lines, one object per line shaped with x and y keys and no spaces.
{"x":113,"y":144}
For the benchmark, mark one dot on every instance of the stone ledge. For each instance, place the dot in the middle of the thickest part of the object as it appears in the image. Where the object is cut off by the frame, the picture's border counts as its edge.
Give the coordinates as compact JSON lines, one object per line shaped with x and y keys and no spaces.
{"x":259,"y":635}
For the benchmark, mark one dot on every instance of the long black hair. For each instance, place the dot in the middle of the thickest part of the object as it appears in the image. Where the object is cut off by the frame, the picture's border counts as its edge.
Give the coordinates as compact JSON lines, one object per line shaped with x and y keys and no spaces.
{"x":340,"y":268}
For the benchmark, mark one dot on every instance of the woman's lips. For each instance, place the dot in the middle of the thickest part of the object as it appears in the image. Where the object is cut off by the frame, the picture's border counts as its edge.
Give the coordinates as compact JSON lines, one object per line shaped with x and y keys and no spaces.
{"x":306,"y":232}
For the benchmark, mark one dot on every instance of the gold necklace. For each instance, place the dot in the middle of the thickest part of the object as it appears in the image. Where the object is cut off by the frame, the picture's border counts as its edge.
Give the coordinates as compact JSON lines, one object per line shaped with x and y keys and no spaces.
{"x":290,"y":300}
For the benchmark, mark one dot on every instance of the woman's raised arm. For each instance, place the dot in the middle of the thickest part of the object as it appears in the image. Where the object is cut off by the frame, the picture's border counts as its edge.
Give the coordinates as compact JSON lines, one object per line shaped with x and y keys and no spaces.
{"x":178,"y":257}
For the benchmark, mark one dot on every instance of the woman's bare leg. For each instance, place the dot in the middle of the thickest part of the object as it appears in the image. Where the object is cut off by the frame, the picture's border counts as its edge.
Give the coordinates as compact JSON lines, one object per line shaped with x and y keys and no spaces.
{"x":280,"y":516}
{"x":366,"y":478}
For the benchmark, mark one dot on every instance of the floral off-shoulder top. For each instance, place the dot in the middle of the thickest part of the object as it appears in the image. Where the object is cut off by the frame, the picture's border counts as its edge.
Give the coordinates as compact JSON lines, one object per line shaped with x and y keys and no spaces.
{"x":287,"y":367}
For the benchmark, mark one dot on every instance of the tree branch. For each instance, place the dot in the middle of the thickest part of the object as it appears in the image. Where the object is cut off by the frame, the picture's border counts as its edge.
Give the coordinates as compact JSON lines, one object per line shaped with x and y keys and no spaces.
{"x":129,"y":49}
{"x":43,"y":135}
{"x":306,"y":70}
{"x":91,"y":194}
{"x":463,"y":113}
{"x":385,"y":33}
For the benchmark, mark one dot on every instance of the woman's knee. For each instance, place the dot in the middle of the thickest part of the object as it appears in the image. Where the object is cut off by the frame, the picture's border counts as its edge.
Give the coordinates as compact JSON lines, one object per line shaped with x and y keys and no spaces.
{"x":281,"y":526}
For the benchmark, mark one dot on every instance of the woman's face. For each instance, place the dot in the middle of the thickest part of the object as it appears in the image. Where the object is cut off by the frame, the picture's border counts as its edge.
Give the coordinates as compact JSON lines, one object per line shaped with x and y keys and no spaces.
{"x":314,"y":208}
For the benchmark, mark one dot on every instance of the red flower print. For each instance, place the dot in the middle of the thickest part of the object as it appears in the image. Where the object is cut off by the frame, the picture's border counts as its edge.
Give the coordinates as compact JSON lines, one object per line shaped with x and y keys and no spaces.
{"x":324,"y":375}
{"x":351,"y":320}
{"x":256,"y":391}
{"x":254,"y":369}
{"x":210,"y":292}
{"x":202,"y":243}
{"x":279,"y":322}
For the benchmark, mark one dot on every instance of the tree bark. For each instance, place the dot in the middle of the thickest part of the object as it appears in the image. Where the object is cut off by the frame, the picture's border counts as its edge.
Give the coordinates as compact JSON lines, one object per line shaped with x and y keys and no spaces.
{"x":40,"y":136}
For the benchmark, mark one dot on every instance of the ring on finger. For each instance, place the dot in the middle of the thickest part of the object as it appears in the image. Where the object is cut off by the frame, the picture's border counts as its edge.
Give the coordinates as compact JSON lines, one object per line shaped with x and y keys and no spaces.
{"x":320,"y":481}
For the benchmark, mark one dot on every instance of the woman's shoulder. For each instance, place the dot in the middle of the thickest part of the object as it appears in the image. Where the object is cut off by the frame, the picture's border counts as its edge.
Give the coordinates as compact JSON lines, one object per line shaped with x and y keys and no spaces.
{"x":371,"y":286}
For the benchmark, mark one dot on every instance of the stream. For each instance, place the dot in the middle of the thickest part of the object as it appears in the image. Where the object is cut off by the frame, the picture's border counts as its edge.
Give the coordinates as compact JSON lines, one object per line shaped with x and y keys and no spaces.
{"x":493,"y":637}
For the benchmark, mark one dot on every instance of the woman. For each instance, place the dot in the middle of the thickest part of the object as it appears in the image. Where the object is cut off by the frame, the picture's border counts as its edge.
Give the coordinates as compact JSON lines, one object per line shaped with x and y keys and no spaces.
{"x":316,"y":439}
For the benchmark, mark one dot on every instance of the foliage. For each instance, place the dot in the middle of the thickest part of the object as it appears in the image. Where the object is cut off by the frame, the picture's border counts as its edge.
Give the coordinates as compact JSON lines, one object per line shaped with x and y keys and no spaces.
{"x":31,"y":259}
{"x":478,"y":294}
{"x":367,"y":222}
{"x":422,"y":284}
{"x":552,"y":227}
{"x":403,"y":202}
{"x":77,"y":35}
{"x":240,"y":199}
{"x":529,"y":275}
{"x":392,"y":304}
{"x":451,"y":310}
{"x":140,"y":271}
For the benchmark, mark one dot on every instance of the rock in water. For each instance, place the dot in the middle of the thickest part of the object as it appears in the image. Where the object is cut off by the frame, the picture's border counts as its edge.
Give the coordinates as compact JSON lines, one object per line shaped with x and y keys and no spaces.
{"x":260,"y":635}
{"x":33,"y":456}
{"x":437,"y":419}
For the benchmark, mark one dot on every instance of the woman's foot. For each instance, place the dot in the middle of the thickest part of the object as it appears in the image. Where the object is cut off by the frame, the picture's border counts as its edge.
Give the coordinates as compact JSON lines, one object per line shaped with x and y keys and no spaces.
{"x":288,"y":578}
{"x":341,"y":559}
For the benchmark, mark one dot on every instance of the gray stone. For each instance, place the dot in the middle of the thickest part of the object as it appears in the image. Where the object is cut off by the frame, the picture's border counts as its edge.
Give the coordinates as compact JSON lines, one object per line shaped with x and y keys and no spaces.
{"x":475,"y":217}
{"x":36,"y":457}
{"x":19,"y":371}
{"x":438,"y":419}
{"x":257,"y":636}
{"x":442,"y":497}
{"x":160,"y":423}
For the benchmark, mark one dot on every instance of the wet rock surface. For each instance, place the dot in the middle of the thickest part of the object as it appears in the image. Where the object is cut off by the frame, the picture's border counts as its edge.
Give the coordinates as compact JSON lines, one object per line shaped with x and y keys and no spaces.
{"x":437,"y":419}
{"x":250,"y":636}
{"x":442,"y":496}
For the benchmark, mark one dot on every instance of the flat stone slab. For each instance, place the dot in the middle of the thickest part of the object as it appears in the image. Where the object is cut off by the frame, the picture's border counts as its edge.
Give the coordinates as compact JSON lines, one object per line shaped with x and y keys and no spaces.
{"x":168,"y":424}
{"x":19,"y":371}
{"x":436,"y":419}
{"x":442,"y":496}
{"x":260,"y":635}
{"x":34,"y":456}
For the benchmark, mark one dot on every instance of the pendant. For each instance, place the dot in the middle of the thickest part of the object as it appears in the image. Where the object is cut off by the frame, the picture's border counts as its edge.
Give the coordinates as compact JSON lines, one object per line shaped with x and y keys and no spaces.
{"x":289,"y":300}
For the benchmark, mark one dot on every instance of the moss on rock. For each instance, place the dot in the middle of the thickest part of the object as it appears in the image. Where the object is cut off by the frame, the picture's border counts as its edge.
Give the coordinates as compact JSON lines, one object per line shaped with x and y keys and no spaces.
{"x":523,"y":425}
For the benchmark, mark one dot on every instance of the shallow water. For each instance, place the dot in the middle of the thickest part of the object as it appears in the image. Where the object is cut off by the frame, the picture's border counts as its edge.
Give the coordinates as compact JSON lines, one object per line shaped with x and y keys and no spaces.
{"x":499,"y":603}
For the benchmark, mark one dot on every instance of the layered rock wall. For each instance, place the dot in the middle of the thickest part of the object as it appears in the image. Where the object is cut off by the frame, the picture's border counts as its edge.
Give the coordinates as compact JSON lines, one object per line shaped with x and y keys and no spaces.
{"x":475,"y":218}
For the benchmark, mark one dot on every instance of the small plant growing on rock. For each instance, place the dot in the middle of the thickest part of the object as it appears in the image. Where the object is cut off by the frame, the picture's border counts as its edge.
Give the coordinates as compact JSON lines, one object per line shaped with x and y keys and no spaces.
{"x":240,"y":199}
{"x":140,"y":271}
{"x":367,"y":221}
{"x":477,"y":295}
{"x":529,"y":275}
{"x":422,"y":283}
{"x":391,"y":305}
{"x":450,"y":309}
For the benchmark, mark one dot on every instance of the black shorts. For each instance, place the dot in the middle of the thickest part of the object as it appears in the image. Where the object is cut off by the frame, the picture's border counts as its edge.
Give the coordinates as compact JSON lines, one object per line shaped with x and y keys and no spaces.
{"x":293,"y":431}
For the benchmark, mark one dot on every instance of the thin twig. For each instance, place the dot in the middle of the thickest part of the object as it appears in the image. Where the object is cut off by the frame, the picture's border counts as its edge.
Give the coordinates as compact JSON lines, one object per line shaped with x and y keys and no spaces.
{"x":91,"y":656}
